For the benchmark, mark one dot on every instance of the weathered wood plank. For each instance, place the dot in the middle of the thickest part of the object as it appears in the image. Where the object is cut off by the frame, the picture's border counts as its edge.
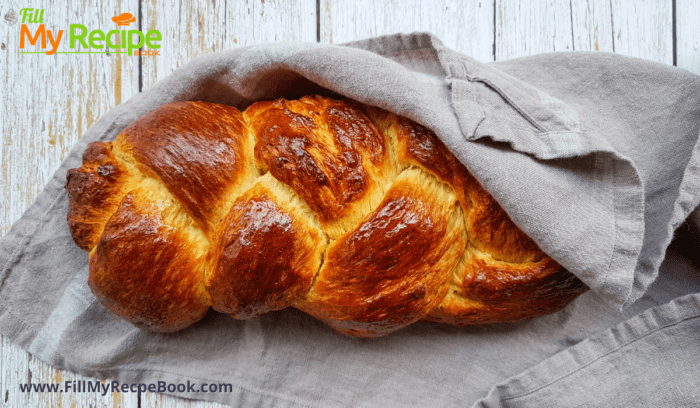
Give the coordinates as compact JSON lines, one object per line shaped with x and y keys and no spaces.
{"x":40,"y":372}
{"x":55,"y":99}
{"x":591,"y":23}
{"x":643,"y":29}
{"x":465,"y":26}
{"x":49,"y":102}
{"x":193,"y":28}
{"x":14,"y":368}
{"x":527,"y":28}
{"x":688,"y":34}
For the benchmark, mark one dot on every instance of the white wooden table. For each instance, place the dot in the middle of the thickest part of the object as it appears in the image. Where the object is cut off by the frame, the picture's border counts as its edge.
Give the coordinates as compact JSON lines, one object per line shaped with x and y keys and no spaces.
{"x":48,"y":102}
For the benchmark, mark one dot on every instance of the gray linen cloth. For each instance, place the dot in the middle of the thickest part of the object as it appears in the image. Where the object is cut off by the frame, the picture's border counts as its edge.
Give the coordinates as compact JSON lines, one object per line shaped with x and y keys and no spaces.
{"x":595,"y":156}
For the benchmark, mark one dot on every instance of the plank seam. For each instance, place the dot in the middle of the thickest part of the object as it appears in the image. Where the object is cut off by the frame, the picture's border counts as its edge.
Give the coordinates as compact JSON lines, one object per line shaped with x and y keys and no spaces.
{"x":571,"y":14}
{"x":612,"y":26}
{"x":494,"y":29}
{"x":140,"y":57}
{"x":674,"y":33}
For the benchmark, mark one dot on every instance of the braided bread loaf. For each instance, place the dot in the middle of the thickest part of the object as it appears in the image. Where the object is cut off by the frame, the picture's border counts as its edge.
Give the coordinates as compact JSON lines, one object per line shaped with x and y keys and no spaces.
{"x":356,"y":216}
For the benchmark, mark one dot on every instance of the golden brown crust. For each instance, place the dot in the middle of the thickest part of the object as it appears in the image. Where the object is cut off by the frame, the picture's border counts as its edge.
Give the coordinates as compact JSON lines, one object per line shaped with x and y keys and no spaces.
{"x":489,"y":291}
{"x":146,"y":270}
{"x":394,"y":267}
{"x":416,"y":145}
{"x":492,"y":231}
{"x":328,"y":151}
{"x":490,"y":228}
{"x":361,"y":218}
{"x":265,"y":253}
{"x":518,"y":280}
{"x":198,"y":150}
{"x":94,"y":192}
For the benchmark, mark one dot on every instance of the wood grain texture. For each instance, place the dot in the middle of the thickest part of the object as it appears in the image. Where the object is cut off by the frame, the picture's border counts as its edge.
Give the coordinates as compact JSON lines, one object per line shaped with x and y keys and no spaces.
{"x":688,"y":35}
{"x":53,"y":100}
{"x":591,"y":23}
{"x":465,"y":26}
{"x":48,"y":102}
{"x":40,"y":372}
{"x":526,"y":28}
{"x":193,"y":28}
{"x":643,"y":29}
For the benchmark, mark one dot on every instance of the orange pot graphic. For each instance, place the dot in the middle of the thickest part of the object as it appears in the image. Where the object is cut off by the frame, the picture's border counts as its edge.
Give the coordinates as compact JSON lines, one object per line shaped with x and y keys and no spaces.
{"x":124,"y":20}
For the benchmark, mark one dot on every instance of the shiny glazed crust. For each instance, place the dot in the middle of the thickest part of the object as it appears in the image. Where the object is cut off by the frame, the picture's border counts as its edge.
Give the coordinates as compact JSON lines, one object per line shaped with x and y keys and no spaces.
{"x":360,"y":218}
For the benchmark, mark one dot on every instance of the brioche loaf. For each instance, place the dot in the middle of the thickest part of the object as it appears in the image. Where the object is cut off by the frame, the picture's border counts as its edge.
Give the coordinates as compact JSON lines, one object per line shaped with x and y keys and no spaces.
{"x":349,"y":213}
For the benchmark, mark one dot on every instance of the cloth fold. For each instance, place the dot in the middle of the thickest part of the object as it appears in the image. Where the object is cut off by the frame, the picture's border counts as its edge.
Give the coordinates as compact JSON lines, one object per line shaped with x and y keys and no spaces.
{"x":595,"y":156}
{"x":662,"y":339}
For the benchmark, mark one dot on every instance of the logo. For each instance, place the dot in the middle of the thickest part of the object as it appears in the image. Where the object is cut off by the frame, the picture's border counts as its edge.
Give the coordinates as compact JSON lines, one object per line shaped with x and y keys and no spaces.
{"x":124,"y":20}
{"x":130,"y":42}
